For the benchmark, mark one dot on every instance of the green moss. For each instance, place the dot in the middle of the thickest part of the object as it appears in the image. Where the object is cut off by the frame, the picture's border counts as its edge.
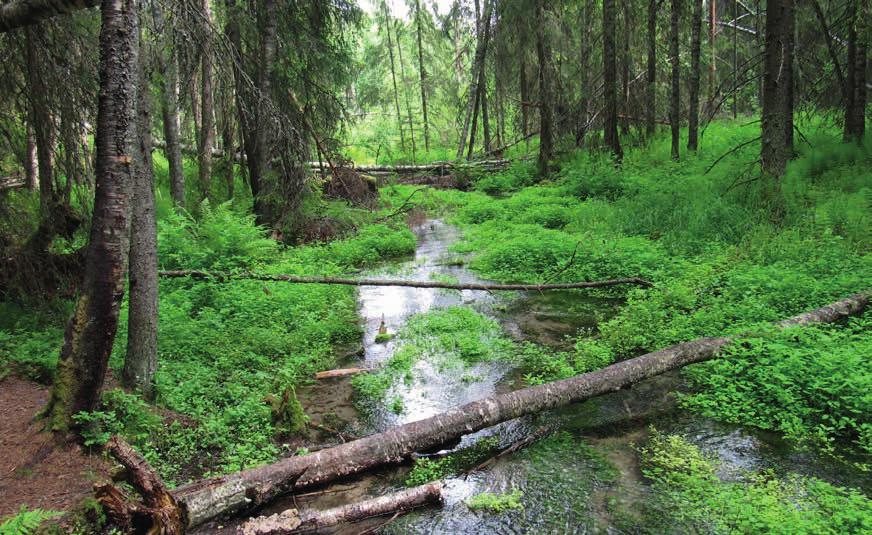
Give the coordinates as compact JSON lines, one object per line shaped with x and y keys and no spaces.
{"x":496,"y":503}
{"x":383,"y":338}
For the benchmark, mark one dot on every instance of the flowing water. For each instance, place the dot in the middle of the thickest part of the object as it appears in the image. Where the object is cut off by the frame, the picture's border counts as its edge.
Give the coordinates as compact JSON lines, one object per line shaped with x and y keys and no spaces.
{"x":587,"y":480}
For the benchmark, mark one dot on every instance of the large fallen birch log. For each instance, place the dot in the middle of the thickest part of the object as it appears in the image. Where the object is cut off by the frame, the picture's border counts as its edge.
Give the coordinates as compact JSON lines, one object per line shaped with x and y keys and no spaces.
{"x":292,"y":522}
{"x":234,"y":493}
{"x":219,"y":276}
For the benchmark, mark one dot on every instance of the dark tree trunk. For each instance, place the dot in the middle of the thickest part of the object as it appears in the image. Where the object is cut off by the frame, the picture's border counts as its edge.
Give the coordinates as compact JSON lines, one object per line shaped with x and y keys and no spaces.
{"x":584,"y":76}
{"x":423,"y":75}
{"x":546,"y":98}
{"x":675,"y":97}
{"x":713,"y":66}
{"x":625,"y":69}
{"x":610,"y":120}
{"x":855,"y":83}
{"x":244,"y":113}
{"x":777,"y":116}
{"x":206,"y":137}
{"x":40,"y":118}
{"x":651,"y":87}
{"x":140,"y":362}
{"x":525,"y":97}
{"x":229,"y":151}
{"x":695,"y":52}
{"x":170,"y":114}
{"x":91,"y":331}
{"x":258,"y":163}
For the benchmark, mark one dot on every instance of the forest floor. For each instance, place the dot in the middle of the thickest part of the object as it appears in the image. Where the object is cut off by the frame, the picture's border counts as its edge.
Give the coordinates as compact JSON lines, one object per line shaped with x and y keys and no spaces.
{"x":34,"y":469}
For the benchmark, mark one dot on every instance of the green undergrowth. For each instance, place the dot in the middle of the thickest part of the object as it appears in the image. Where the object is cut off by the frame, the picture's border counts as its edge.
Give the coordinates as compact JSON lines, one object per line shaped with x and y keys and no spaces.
{"x":453,"y":338}
{"x":812,"y":384}
{"x":26,"y":521}
{"x":230,"y":353}
{"x":728,"y":251}
{"x":690,"y":498}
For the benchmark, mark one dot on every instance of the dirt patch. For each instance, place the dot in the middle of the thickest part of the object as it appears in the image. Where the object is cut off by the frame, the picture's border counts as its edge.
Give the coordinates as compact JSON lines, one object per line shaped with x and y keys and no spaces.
{"x":34,"y":470}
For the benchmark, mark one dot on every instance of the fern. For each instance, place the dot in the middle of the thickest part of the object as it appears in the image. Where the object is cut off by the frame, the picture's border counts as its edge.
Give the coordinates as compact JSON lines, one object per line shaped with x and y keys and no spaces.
{"x":26,"y":521}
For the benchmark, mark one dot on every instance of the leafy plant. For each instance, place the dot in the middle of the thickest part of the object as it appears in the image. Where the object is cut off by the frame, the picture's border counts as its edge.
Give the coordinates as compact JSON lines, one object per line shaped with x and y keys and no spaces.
{"x":26,"y":521}
{"x":496,"y":503}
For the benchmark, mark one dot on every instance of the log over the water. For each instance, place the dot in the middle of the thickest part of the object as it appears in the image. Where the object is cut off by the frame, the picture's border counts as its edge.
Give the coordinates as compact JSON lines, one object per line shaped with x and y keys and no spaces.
{"x":291,"y":521}
{"x":218,"y":276}
{"x":235,"y":493}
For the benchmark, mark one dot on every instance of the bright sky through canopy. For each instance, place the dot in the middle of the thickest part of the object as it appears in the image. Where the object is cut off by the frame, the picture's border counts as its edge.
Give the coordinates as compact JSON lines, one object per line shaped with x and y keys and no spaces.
{"x":400,"y":9}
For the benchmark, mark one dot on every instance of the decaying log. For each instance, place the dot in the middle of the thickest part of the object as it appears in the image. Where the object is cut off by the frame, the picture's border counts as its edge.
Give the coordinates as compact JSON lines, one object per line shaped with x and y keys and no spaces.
{"x":160,"y":513}
{"x":218,"y":276}
{"x":235,"y":493}
{"x":343,"y":372}
{"x":293,"y":522}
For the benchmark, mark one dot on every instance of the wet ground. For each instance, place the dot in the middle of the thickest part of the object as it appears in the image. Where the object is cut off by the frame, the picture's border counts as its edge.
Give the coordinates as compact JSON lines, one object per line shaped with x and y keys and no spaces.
{"x":585,"y":478}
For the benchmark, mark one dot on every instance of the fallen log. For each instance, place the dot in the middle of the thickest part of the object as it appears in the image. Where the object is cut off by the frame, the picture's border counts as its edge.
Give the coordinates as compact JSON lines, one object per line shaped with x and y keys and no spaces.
{"x":234,"y":493}
{"x":219,"y":276}
{"x":159,"y":507}
{"x":342,"y":372}
{"x":291,"y":521}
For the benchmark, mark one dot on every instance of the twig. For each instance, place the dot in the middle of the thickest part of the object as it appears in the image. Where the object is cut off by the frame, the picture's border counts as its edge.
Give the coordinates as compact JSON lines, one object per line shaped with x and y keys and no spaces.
{"x":218,"y":276}
{"x":729,"y":152}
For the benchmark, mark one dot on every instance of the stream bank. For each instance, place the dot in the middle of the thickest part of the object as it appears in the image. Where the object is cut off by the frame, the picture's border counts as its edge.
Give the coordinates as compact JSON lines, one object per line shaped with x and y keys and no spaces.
{"x":586,"y":476}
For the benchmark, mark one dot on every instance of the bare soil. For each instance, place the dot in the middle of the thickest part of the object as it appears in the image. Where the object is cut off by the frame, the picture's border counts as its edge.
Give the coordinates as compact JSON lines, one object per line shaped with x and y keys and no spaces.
{"x":35,"y":470}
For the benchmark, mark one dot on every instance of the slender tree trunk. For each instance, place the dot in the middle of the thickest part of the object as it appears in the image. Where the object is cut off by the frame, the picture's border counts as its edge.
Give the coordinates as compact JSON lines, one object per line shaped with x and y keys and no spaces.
{"x":259,"y":163}
{"x":625,"y":69}
{"x":478,"y":62}
{"x":651,"y":88}
{"x":485,"y":118}
{"x":387,"y":26}
{"x":40,"y":118}
{"x":675,"y":98}
{"x":31,"y":167}
{"x":855,"y":83}
{"x":405,"y":81}
{"x":777,"y":110}
{"x":713,"y":65}
{"x":229,"y":151}
{"x":244,"y":113}
{"x":831,"y":50}
{"x":546,"y":99}
{"x":735,"y":61}
{"x":695,"y":52}
{"x":140,"y":362}
{"x":170,"y":113}
{"x":91,"y":331}
{"x":423,"y":75}
{"x":584,"y":77}
{"x":610,"y":120}
{"x":207,"y":105}
{"x":525,"y":98}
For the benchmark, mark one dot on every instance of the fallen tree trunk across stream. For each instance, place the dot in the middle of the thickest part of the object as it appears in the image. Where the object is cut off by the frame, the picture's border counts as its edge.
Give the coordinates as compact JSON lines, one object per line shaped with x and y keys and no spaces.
{"x":291,"y":521}
{"x":219,"y":276}
{"x":236,"y":493}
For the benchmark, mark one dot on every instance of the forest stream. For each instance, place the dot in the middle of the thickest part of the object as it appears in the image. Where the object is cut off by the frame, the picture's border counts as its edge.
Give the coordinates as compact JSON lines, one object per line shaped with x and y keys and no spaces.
{"x":585,"y":478}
